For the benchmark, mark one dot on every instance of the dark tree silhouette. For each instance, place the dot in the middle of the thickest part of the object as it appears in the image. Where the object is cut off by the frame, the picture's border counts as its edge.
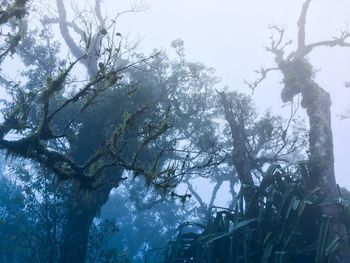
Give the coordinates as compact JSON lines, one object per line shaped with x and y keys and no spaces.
{"x":256,"y":143}
{"x":91,"y":131}
{"x":11,"y":12}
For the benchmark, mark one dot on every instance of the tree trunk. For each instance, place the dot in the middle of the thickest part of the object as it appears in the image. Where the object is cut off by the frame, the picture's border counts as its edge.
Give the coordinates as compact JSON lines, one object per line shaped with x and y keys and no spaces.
{"x":322,"y":166}
{"x":240,"y":154}
{"x":298,"y":79}
{"x":83,"y":206}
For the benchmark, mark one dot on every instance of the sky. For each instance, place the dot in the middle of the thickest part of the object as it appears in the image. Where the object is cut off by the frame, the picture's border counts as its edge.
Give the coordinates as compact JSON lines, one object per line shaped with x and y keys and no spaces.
{"x":230,"y":36}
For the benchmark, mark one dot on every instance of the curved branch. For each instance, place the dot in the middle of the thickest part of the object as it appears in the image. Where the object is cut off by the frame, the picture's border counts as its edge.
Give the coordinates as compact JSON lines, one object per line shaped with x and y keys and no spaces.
{"x":263,"y":73}
{"x":277,"y":44}
{"x":337,"y":41}
{"x":74,"y":26}
{"x":33,"y":149}
{"x":197,"y":196}
{"x":304,"y":49}
{"x":214,"y":193}
{"x":63,"y":25}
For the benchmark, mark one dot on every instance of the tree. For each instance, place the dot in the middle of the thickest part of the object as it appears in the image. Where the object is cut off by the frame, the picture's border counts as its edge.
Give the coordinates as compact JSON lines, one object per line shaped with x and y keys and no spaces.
{"x":72,"y":127}
{"x":256,"y":143}
{"x":12,"y":9}
{"x":298,"y":75}
{"x":53,"y":118}
{"x":11,"y":12}
{"x":138,"y":211}
{"x":263,"y":224}
{"x":33,"y":210}
{"x":326,"y":209}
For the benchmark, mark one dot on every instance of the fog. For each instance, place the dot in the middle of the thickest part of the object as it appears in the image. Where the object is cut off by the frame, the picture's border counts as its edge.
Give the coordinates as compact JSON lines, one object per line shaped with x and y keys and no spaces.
{"x":131,"y":127}
{"x":230,"y":36}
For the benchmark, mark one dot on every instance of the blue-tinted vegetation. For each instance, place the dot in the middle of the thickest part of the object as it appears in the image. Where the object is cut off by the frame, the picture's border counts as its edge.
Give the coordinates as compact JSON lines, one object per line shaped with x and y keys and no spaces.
{"x":103,"y":151}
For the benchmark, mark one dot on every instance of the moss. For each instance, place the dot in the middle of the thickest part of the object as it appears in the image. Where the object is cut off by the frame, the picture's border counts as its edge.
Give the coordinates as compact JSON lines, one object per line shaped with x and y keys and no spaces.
{"x":297,"y":74}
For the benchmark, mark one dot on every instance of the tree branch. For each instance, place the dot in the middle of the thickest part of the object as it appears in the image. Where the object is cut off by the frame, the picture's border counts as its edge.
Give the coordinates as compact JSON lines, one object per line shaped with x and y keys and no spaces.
{"x":263,"y":74}
{"x":193,"y":192}
{"x":301,"y":26}
{"x":63,"y":25}
{"x":16,"y":10}
{"x":277,"y":45}
{"x":98,"y":13}
{"x":74,"y":26}
{"x":215,"y":191}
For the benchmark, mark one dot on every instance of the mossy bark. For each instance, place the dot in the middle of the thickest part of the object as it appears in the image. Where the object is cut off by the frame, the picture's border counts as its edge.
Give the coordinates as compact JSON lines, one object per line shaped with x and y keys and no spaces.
{"x":83,"y":206}
{"x":317,"y":103}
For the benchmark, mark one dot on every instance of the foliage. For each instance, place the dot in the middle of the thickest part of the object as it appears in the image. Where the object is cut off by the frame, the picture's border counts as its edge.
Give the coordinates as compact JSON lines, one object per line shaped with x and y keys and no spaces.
{"x":163,"y":86}
{"x":150,"y":117}
{"x":288,"y":228}
{"x":138,"y":212}
{"x":32,"y":214}
{"x":98,"y":249}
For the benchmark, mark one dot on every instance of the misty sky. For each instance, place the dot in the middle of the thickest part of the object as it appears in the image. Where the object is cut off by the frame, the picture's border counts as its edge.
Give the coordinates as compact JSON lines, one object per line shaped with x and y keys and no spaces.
{"x":229,"y":36}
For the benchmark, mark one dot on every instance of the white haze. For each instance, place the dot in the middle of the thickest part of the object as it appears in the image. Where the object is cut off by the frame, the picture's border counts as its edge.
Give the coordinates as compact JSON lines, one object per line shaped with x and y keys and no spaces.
{"x":229,"y":36}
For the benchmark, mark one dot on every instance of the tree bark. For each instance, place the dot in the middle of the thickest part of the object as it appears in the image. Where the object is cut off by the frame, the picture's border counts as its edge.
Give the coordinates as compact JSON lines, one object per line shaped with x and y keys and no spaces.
{"x":317,"y":102}
{"x":322,"y":166}
{"x":83,"y":207}
{"x":240,"y":153}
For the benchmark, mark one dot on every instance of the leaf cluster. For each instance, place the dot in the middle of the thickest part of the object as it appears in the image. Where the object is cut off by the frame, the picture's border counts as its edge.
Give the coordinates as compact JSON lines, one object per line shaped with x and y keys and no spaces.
{"x":288,"y":227}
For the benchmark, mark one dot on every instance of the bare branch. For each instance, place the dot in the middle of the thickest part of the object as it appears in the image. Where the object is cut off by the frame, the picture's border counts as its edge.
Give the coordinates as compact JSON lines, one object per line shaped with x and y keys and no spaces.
{"x":263,"y":73}
{"x":215,"y":191}
{"x":32,"y":148}
{"x":293,"y":112}
{"x":98,"y":13}
{"x":337,"y":41}
{"x":197,"y":196}
{"x":47,"y":21}
{"x":303,"y":48}
{"x":135,"y":8}
{"x":63,"y":25}
{"x":277,"y":44}
{"x":301,"y":26}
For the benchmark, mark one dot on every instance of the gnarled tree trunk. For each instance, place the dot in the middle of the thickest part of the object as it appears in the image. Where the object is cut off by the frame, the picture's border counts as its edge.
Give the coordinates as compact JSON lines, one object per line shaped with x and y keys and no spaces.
{"x":298,"y":79}
{"x":322,"y":166}
{"x":82,"y":207}
{"x":317,"y":102}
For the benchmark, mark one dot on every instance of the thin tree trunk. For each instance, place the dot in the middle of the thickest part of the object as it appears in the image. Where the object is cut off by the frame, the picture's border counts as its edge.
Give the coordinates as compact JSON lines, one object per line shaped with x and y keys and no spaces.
{"x":240,"y":154}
